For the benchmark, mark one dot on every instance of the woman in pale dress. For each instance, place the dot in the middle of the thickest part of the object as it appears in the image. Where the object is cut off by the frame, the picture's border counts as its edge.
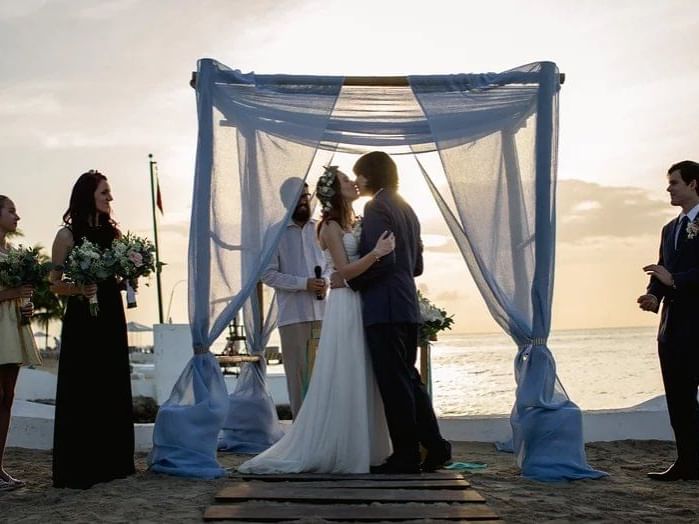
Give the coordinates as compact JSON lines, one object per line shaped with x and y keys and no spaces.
{"x":17,"y":345}
{"x":341,"y":426}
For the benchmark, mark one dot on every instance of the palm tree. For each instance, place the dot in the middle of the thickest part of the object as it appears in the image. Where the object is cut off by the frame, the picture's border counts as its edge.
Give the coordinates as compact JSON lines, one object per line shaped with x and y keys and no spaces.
{"x":47,"y":306}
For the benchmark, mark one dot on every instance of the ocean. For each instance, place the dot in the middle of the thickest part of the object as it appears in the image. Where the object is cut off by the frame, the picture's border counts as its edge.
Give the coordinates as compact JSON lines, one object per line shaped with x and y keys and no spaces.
{"x":599,"y":368}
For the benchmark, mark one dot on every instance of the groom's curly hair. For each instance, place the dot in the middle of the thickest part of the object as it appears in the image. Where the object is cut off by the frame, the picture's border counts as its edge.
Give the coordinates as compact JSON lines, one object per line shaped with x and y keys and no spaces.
{"x":379,"y":169}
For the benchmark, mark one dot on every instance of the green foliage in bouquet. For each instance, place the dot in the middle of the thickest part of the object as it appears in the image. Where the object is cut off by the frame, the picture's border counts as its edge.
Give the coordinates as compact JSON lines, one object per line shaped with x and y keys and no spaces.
{"x":434,"y":320}
{"x":133,"y":256}
{"x":23,"y":265}
{"x":88,"y":264}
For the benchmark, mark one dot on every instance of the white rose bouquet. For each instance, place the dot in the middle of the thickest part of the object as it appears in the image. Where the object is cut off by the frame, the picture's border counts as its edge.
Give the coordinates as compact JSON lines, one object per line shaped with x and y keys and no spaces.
{"x":434,"y":320}
{"x":23,"y":266}
{"x":134,"y":257}
{"x":88,"y":264}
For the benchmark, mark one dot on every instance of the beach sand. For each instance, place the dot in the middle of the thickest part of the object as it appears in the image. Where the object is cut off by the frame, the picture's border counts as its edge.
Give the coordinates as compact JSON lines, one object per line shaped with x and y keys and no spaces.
{"x":625,"y":496}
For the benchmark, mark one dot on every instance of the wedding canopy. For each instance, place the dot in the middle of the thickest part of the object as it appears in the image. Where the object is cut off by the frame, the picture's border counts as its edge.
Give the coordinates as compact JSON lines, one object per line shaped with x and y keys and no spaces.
{"x":261,"y":136}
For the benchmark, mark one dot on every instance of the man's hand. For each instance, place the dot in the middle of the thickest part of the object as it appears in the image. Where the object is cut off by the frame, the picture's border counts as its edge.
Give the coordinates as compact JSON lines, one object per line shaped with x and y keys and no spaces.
{"x":336,"y":281}
{"x":659,"y":272}
{"x":648,"y":302}
{"x":316,"y":286}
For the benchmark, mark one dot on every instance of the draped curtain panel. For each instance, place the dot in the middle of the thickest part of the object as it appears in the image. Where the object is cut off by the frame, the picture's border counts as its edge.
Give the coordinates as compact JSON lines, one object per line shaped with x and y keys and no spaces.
{"x":260,"y":136}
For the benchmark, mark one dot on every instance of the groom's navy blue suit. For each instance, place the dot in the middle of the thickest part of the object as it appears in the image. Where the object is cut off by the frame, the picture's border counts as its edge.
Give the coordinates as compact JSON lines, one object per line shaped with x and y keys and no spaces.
{"x":678,"y":340}
{"x":391,"y":318}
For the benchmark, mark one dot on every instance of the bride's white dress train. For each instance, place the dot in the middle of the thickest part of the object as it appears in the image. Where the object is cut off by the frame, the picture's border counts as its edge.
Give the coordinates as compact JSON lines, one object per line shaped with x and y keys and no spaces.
{"x":341,"y":426}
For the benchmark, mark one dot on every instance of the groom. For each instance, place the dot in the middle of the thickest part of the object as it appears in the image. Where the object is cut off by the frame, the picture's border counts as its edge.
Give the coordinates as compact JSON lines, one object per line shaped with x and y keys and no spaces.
{"x":391,"y":319}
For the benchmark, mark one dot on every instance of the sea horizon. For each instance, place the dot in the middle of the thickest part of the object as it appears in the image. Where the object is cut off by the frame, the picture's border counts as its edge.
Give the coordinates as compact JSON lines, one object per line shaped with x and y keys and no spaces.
{"x":602,"y":368}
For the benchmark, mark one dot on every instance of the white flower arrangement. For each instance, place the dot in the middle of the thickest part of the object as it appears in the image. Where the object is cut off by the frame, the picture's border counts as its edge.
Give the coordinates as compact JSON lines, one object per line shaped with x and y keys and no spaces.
{"x":434,"y":319}
{"x":22,"y":265}
{"x":135,"y":257}
{"x":88,"y":264}
{"x":693,"y":228}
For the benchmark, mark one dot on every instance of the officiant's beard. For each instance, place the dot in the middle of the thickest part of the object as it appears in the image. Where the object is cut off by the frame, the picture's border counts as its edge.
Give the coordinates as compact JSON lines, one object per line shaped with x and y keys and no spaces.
{"x":301,"y":214}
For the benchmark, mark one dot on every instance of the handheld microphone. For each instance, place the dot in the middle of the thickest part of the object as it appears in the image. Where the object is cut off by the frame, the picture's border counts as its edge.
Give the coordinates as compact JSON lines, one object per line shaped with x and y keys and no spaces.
{"x":319,"y":272}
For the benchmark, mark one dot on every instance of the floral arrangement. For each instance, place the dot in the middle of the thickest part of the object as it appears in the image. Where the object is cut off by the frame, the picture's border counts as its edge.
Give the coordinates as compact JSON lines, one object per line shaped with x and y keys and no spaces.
{"x":693,"y":228}
{"x":324,"y":187}
{"x":23,"y":266}
{"x":134,"y":257}
{"x":88,"y":264}
{"x":434,"y":319}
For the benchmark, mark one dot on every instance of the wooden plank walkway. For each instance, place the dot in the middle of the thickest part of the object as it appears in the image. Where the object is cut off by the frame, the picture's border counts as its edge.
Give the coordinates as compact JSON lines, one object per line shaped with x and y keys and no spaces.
{"x":360,"y":498}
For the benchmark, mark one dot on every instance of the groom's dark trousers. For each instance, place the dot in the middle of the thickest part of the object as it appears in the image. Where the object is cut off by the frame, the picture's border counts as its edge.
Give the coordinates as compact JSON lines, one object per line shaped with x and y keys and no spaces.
{"x":391,"y":318}
{"x":409,"y":412}
{"x":678,"y":340}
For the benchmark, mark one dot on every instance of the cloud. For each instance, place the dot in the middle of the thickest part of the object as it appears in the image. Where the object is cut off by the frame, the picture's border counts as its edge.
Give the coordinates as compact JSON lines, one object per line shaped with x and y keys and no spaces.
{"x":586,"y":210}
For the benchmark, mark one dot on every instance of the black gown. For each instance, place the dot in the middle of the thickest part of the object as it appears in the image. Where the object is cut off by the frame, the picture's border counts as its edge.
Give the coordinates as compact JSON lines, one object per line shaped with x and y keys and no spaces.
{"x":93,"y":439}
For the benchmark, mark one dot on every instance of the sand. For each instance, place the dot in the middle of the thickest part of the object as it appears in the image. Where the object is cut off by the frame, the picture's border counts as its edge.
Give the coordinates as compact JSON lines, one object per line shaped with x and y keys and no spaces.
{"x":625,"y":496}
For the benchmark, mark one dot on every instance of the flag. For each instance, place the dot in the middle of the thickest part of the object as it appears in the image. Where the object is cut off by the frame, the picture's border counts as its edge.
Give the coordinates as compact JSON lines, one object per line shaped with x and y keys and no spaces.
{"x":158,"y":197}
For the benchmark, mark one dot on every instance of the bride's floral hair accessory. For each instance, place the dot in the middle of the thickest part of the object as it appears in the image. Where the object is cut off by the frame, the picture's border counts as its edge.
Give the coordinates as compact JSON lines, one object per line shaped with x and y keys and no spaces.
{"x":324,"y":188}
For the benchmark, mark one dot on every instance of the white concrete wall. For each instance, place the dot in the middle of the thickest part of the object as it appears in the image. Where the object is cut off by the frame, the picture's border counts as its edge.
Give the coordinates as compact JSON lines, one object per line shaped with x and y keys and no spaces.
{"x":172,"y":351}
{"x":32,"y":427}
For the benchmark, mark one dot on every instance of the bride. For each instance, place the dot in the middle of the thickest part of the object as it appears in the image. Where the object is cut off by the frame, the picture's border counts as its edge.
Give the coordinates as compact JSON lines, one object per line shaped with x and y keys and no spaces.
{"x":341,"y":426}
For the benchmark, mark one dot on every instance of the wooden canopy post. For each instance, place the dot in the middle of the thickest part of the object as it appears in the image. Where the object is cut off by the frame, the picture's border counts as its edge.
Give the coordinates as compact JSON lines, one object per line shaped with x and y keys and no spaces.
{"x":367,"y":81}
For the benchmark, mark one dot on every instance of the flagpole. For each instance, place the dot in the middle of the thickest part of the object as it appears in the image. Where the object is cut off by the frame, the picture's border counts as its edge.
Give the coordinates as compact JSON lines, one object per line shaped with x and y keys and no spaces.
{"x":158,"y":265}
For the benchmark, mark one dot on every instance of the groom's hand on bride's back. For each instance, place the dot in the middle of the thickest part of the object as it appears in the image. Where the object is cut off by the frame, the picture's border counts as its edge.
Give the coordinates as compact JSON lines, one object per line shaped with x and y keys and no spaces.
{"x":336,"y":281}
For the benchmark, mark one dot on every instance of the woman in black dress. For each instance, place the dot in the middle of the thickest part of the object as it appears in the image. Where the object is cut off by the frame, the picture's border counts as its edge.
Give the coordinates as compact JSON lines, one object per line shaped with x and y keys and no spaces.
{"x":93,"y":438}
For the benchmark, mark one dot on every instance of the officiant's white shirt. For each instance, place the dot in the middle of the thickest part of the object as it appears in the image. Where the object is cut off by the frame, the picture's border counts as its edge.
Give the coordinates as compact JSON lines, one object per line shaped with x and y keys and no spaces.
{"x":293,"y":264}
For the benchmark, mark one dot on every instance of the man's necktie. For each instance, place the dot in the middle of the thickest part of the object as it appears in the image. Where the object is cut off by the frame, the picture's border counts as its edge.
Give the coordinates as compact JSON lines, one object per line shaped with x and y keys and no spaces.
{"x":682,"y":234}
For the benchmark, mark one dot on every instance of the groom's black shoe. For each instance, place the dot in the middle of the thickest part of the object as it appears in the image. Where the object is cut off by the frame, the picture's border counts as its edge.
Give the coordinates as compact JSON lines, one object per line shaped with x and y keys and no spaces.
{"x":437,"y":458}
{"x":392,"y":466}
{"x":676,"y":472}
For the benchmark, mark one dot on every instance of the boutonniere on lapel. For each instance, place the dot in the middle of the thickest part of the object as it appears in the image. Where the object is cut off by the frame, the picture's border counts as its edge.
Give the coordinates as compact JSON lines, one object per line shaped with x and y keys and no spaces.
{"x":693,"y":229}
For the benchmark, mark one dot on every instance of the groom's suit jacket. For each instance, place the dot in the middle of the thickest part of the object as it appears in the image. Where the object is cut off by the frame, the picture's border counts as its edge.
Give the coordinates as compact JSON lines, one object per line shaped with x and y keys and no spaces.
{"x":388,"y":287}
{"x":679,"y":321}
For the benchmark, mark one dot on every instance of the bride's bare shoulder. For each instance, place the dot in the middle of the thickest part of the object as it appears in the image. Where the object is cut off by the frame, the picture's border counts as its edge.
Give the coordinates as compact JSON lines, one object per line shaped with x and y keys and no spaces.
{"x":329,"y":231}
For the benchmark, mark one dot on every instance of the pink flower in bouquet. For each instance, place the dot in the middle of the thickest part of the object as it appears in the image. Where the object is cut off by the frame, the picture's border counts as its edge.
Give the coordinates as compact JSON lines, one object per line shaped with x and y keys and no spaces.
{"x":136,"y":258}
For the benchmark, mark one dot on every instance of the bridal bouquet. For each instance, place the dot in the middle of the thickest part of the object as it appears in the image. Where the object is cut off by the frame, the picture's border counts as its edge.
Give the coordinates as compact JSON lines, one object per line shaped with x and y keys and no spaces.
{"x":135,"y":257}
{"x":434,"y":320}
{"x":88,"y":264}
{"x":23,"y":266}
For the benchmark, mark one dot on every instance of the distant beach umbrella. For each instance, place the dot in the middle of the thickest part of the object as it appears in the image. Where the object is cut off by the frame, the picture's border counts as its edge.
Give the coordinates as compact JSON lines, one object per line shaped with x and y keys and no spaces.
{"x":135,"y":327}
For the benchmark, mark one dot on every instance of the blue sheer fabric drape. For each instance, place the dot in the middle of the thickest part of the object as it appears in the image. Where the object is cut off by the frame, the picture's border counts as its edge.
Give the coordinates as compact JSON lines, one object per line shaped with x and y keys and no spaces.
{"x":496,"y":136}
{"x":252,"y":424}
{"x":240,"y":206}
{"x":502,"y":216}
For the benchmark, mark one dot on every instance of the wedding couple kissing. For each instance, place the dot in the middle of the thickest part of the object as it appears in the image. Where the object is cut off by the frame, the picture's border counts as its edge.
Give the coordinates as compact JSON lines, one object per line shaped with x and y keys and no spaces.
{"x":366,"y":409}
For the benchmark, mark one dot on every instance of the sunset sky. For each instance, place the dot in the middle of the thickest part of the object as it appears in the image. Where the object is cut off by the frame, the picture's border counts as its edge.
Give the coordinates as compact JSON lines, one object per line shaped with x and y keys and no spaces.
{"x":86,"y":84}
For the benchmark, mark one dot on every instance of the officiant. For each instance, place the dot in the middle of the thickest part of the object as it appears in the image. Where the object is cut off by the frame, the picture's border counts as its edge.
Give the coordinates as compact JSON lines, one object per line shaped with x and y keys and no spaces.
{"x":293,"y":274}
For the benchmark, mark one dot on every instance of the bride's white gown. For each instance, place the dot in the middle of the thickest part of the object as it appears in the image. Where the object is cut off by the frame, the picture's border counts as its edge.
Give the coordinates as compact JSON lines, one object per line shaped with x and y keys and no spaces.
{"x":341,"y":426}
